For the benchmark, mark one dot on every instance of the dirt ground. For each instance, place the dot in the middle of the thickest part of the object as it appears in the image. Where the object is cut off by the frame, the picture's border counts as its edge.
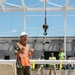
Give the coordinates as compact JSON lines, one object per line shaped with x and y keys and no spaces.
{"x":9,"y":69}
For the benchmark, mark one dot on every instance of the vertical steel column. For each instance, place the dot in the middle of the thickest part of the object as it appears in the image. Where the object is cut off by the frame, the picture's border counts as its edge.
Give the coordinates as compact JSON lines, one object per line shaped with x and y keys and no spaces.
{"x":25,"y":21}
{"x":65,"y":33}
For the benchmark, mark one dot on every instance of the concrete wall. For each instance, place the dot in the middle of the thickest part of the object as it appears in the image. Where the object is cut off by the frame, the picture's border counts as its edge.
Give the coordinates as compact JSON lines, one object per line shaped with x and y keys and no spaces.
{"x":7,"y":69}
{"x":40,"y":44}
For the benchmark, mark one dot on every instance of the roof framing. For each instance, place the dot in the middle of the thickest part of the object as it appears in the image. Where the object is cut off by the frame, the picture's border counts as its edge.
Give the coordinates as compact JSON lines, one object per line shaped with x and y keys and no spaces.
{"x":16,"y":9}
{"x":22,"y":8}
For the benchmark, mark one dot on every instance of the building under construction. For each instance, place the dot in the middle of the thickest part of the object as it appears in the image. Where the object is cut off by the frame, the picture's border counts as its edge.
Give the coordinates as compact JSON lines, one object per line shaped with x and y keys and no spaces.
{"x":50,"y":25}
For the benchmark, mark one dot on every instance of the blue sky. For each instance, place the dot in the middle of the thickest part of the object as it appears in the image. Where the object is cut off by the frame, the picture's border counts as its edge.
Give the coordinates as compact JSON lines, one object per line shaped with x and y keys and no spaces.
{"x":12,"y":23}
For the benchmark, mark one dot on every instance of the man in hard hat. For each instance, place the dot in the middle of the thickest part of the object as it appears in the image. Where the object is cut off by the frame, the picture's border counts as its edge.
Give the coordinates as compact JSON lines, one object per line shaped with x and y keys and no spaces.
{"x":22,"y":53}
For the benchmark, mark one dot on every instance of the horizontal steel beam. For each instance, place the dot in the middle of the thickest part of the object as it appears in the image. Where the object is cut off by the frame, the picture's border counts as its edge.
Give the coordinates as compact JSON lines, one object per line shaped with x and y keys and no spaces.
{"x":40,"y":61}
{"x":17,"y":9}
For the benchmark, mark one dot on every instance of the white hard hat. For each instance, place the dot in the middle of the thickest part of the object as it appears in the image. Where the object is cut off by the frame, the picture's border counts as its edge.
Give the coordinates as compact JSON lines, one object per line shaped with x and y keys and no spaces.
{"x":23,"y":33}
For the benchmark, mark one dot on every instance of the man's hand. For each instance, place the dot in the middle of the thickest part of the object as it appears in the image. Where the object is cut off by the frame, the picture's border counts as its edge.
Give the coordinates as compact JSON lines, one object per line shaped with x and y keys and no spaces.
{"x":32,"y":50}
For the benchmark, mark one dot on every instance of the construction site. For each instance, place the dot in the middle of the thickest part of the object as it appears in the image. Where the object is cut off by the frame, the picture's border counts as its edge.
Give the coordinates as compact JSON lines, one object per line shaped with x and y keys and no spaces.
{"x":49,"y":25}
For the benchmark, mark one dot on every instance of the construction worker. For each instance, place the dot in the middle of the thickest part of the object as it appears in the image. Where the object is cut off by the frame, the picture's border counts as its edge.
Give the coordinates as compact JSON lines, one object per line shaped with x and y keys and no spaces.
{"x":22,"y":53}
{"x":61,"y":54}
{"x":41,"y":66}
{"x":62,"y":57}
{"x":52,"y":66}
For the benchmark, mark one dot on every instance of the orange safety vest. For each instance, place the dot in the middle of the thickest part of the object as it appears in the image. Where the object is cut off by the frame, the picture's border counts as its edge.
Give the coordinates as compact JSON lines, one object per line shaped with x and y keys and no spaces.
{"x":24,"y":54}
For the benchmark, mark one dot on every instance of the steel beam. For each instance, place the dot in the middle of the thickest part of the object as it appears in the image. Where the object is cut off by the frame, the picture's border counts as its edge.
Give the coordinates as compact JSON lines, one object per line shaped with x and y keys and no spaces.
{"x":40,"y":61}
{"x":52,"y":9}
